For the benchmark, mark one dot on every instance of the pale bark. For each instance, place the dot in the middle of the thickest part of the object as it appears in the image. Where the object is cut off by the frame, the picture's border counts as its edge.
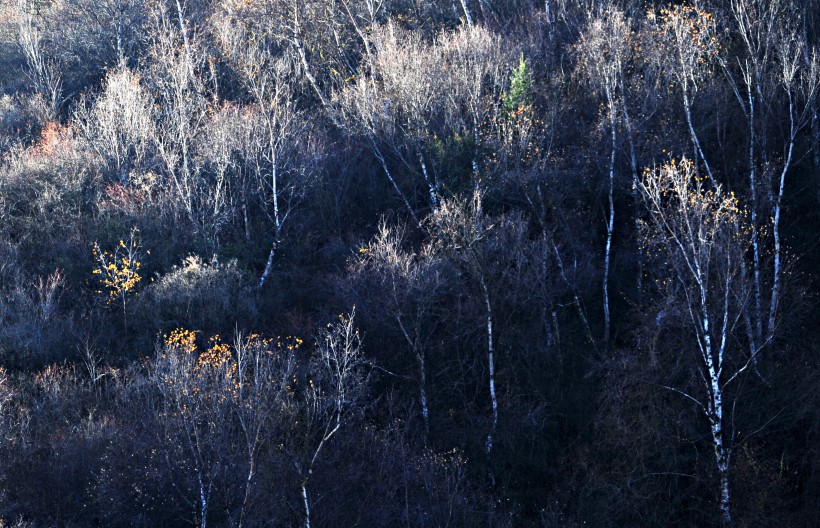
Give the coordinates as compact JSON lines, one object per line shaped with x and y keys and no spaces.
{"x":778,"y":272}
{"x":467,"y":14}
{"x":277,"y":223}
{"x":420,"y":359}
{"x":306,"y":503}
{"x":701,"y":236}
{"x":575,"y":297}
{"x":203,"y":505}
{"x":490,"y":363}
{"x":432,"y":187}
{"x":120,"y":50}
{"x":425,"y":412}
{"x":687,"y":109}
{"x":395,"y":185}
{"x":758,"y":327}
{"x":611,"y":222}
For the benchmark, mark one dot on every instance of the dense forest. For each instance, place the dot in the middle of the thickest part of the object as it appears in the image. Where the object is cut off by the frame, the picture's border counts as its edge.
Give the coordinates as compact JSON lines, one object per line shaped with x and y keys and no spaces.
{"x":409,"y":263}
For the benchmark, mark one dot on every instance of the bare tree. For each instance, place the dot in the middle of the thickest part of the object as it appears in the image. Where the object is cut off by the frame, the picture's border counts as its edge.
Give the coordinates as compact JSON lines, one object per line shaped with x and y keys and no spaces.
{"x":772,"y":76}
{"x":180,"y":90}
{"x":41,"y":69}
{"x":335,"y":388}
{"x":194,"y":405}
{"x":280,"y":181}
{"x":686,"y":44}
{"x":477,"y":66}
{"x":800,"y":84}
{"x":413,"y":98}
{"x":409,"y":286}
{"x":602,"y":50}
{"x":367,"y":110}
{"x":698,"y":236}
{"x":263,"y":400}
{"x":406,"y":101}
{"x":462,"y":231}
{"x":120,"y":125}
{"x":467,"y":13}
{"x":218,"y":150}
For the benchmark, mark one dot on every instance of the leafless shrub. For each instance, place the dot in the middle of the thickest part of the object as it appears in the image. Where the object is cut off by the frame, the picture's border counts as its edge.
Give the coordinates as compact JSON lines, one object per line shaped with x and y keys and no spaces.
{"x":206,"y":296}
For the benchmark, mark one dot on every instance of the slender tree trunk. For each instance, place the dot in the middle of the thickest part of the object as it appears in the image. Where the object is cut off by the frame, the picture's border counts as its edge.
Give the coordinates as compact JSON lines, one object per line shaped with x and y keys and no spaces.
{"x":633,"y":162}
{"x":475,"y":166}
{"x":395,"y":185}
{"x":357,"y":29}
{"x":467,"y":13}
{"x":490,"y":363}
{"x":716,"y":424}
{"x":432,"y":187}
{"x":611,"y":223}
{"x":776,"y":225}
{"x":268,"y":264}
{"x":189,"y":65}
{"x":721,"y":458}
{"x":245,"y":220}
{"x":277,"y":224}
{"x":420,"y":359}
{"x":576,"y":298}
{"x":248,"y":483}
{"x":750,"y":330}
{"x":203,"y":504}
{"x":306,"y":503}
{"x":687,"y":109}
{"x":758,"y":311}
{"x":306,"y":477}
{"x":721,"y":449}
{"x":483,"y":8}
{"x":300,"y":49}
{"x":714,"y":367}
{"x":120,"y":50}
{"x":425,"y":412}
{"x":815,"y":138}
{"x":124,"y":315}
{"x":725,"y":510}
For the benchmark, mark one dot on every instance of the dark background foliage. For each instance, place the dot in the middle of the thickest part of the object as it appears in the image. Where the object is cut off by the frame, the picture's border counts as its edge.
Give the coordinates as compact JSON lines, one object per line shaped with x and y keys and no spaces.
{"x":414,"y":246}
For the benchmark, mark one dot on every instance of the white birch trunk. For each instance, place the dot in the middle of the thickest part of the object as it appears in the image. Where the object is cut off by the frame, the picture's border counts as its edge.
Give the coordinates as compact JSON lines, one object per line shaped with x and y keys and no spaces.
{"x":611,"y":223}
{"x":306,"y":503}
{"x":467,"y":13}
{"x":120,"y":50}
{"x":721,"y":453}
{"x":248,"y":485}
{"x":776,"y":225}
{"x":203,"y":504}
{"x":432,"y":187}
{"x":395,"y":185}
{"x":420,"y":359}
{"x":815,"y":138}
{"x":425,"y":412}
{"x":277,"y":224}
{"x":483,"y":10}
{"x":758,"y":313}
{"x":576,"y":298}
{"x":490,"y":363}
{"x":687,"y":109}
{"x":715,"y":391}
{"x":297,"y":43}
